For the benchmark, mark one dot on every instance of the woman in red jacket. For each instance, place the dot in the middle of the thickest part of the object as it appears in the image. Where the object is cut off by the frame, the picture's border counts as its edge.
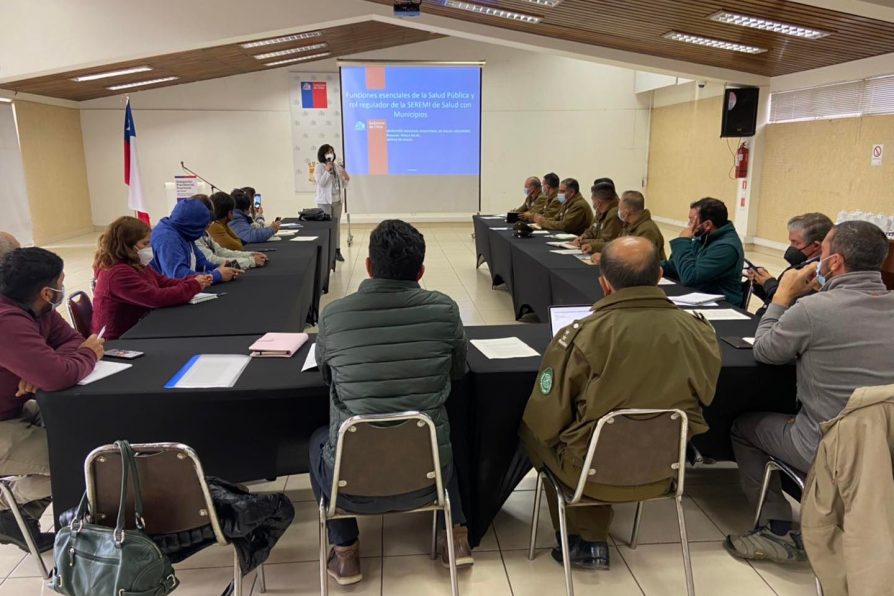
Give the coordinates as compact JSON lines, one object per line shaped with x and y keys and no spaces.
{"x":127,"y":289}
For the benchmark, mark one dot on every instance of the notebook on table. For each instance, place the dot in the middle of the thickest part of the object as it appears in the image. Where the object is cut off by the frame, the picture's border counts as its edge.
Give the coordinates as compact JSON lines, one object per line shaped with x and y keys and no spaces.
{"x":278,"y":345}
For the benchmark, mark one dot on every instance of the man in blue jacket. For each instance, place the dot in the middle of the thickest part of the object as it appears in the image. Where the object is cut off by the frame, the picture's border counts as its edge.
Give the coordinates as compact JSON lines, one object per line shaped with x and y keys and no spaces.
{"x":242,"y":223}
{"x":708,"y":256}
{"x":173,"y":244}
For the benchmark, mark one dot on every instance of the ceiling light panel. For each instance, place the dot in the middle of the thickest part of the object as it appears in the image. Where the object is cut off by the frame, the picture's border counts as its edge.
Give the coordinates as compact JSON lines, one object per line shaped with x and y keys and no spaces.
{"x":288,"y":52}
{"x":732,"y":18}
{"x":492,"y":11}
{"x":141,"y":83}
{"x":283,"y":39}
{"x":111,"y":73}
{"x":299,"y":59}
{"x":546,"y":3}
{"x":709,"y":42}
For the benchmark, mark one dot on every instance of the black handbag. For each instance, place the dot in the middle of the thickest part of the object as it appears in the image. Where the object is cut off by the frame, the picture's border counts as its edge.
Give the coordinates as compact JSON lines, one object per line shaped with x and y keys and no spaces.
{"x":316,"y":214}
{"x":93,"y":560}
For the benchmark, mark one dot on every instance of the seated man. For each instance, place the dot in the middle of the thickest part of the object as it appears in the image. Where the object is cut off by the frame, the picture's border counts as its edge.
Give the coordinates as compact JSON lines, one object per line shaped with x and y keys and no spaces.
{"x":214,"y":252}
{"x":173,"y":244}
{"x":535,"y":200}
{"x":390,"y":347}
{"x":841,"y":338}
{"x":805,"y":238}
{"x":638,"y":220}
{"x":257,"y":213}
{"x":8,"y":243}
{"x":606,"y":225}
{"x":243,"y":225}
{"x":574,"y":215}
{"x":38,"y":350}
{"x":550,"y":188}
{"x":708,"y":255}
{"x":594,"y":367}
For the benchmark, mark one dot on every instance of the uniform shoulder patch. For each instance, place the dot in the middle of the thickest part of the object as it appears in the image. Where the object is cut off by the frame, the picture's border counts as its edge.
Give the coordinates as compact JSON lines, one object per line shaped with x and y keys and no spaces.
{"x":546,"y":381}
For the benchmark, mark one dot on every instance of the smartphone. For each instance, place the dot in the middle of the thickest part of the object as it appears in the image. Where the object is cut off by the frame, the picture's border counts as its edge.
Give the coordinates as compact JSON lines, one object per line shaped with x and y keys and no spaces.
{"x":738,"y":342}
{"x":750,"y":265}
{"x":257,"y":201}
{"x":125,"y":354}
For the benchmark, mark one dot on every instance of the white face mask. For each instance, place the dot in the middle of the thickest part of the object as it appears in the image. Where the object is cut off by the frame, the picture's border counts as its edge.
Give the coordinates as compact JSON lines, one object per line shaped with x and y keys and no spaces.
{"x":330,"y":156}
{"x":621,"y":217}
{"x":59,"y":297}
{"x":146,"y":255}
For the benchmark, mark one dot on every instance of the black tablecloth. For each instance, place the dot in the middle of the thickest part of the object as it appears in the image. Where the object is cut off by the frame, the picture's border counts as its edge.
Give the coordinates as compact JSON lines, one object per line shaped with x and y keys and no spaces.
{"x":279,"y":297}
{"x":323,"y":229}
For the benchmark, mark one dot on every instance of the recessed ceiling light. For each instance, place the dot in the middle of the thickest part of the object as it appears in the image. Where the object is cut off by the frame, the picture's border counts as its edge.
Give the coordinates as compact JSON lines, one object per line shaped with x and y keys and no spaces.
{"x":299,"y":59}
{"x":283,"y":39}
{"x":547,"y":3}
{"x":732,"y":18}
{"x":111,"y":73}
{"x":141,"y":83}
{"x":310,"y":48}
{"x":5,"y":100}
{"x":713,"y":43}
{"x":492,"y":11}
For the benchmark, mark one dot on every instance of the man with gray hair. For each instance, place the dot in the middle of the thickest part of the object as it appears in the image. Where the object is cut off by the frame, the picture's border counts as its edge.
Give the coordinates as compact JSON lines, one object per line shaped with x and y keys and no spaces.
{"x":805,"y":238}
{"x":8,"y":243}
{"x":590,"y":369}
{"x":535,"y":200}
{"x":841,"y":338}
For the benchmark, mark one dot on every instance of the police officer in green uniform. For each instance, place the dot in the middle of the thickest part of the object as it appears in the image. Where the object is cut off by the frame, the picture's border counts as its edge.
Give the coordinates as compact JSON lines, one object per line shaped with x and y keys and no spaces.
{"x":574,"y":215}
{"x":606,"y":225}
{"x":636,"y":350}
{"x":535,"y":200}
{"x":551,"y":205}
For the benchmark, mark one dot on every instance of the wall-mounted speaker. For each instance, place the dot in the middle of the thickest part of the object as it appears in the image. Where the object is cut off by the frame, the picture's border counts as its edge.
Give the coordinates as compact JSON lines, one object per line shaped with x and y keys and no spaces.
{"x":739,"y":112}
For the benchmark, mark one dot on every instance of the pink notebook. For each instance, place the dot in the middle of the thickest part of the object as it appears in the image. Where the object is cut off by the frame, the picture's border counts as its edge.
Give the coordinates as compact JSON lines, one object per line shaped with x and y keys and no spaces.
{"x":278,"y":345}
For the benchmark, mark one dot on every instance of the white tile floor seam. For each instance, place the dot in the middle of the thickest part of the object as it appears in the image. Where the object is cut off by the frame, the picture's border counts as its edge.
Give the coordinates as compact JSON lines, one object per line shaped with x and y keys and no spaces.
{"x":395,"y":556}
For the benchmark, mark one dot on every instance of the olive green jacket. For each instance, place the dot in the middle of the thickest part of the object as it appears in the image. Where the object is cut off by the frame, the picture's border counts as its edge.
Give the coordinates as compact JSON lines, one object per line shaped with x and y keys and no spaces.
{"x":533,"y":203}
{"x":574,"y":216}
{"x":644,"y":227}
{"x":636,"y":350}
{"x":550,"y":207}
{"x":606,"y":227}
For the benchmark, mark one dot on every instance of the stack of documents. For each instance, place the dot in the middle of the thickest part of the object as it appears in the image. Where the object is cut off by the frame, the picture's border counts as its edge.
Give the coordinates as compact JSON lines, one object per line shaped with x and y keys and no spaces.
{"x":286,"y":233}
{"x":209,"y":370}
{"x":202,"y":297}
{"x":506,"y":347}
{"x":278,"y":345}
{"x":102,"y":370}
{"x":566,"y":245}
{"x":696,"y":299}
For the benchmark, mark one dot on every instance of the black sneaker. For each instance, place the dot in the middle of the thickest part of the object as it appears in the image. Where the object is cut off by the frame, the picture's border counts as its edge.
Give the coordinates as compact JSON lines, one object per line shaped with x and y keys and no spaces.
{"x":338,"y":256}
{"x":583,"y":554}
{"x":10,"y":533}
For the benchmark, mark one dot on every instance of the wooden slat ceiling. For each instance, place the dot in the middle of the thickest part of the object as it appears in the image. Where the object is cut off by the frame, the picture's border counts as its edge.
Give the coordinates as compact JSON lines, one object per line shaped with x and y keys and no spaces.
{"x":637,"y":26}
{"x":219,"y":61}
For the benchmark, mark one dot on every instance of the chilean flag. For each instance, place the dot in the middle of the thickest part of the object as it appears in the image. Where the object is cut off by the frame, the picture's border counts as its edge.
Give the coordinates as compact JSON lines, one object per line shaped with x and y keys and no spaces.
{"x":135,"y":198}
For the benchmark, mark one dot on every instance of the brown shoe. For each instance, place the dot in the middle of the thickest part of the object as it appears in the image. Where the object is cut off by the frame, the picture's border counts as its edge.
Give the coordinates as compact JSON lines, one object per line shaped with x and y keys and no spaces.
{"x":343,"y":564}
{"x":461,"y":549}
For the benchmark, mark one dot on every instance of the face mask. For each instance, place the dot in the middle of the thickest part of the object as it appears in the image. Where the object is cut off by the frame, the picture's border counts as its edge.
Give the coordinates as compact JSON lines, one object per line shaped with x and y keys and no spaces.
{"x":822,"y":279}
{"x":794,"y":256}
{"x":60,"y":296}
{"x":330,"y":156}
{"x":561,"y":197}
{"x":525,"y":192}
{"x":146,"y":255}
{"x":621,"y":217}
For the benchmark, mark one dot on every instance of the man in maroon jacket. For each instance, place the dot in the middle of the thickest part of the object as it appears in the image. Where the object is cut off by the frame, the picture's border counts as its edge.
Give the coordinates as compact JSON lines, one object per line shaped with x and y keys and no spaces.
{"x":38,"y":350}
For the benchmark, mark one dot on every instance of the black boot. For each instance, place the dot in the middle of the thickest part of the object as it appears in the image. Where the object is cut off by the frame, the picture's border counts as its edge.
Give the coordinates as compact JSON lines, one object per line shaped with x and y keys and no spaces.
{"x":338,"y":256}
{"x":10,"y":533}
{"x":583,"y":554}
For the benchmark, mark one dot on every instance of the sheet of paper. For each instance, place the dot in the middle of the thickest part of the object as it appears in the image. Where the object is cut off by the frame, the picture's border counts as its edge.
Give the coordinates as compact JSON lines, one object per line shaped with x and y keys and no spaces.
{"x":104,"y":369}
{"x":749,"y":340}
{"x":501,"y":229}
{"x":586,"y":259}
{"x":210,"y":370}
{"x":304,"y":238}
{"x":290,"y":226}
{"x":311,"y":361}
{"x":720,"y":314}
{"x":562,"y":316}
{"x":286,"y":233}
{"x":540,"y":232}
{"x":203,"y":297}
{"x":493,"y":217}
{"x":564,"y":236}
{"x":696,"y":299}
{"x":567,"y":251}
{"x":687,"y":305}
{"x":665,"y":282}
{"x":505,"y":347}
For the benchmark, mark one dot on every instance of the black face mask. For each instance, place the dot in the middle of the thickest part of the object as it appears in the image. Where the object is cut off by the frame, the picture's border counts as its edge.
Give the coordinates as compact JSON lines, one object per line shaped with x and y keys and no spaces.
{"x":794,"y":256}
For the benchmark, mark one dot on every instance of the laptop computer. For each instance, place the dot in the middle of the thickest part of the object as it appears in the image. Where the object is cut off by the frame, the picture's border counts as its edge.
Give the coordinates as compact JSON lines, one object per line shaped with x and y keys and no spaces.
{"x":562,"y":316}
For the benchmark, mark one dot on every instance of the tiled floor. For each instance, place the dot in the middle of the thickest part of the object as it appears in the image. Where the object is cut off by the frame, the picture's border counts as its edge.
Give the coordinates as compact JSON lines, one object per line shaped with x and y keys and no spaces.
{"x":394,"y":548}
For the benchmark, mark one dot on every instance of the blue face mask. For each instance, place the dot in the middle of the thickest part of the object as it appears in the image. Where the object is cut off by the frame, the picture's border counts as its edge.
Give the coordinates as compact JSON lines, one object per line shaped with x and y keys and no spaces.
{"x":561,"y":197}
{"x":822,"y":279}
{"x":525,"y":192}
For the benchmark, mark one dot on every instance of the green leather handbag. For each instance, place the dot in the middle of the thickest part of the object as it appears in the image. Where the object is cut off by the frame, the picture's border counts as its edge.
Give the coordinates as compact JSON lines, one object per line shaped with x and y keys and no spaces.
{"x":93,"y":560}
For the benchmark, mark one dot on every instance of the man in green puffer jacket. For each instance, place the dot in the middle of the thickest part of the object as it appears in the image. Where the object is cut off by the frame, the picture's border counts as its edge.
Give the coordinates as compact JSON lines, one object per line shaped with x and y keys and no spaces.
{"x":390,"y":347}
{"x":708,"y":256}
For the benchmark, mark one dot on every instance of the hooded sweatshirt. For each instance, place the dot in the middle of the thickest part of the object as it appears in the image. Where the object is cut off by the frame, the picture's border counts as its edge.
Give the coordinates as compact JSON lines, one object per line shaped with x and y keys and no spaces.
{"x":173,"y":242}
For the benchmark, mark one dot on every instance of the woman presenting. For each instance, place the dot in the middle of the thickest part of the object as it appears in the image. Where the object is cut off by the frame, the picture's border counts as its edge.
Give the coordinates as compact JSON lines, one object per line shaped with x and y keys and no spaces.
{"x":331,"y":180}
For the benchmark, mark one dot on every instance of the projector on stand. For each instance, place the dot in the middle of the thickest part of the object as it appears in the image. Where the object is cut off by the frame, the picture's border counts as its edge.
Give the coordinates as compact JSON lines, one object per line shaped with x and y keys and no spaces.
{"x":407,"y":8}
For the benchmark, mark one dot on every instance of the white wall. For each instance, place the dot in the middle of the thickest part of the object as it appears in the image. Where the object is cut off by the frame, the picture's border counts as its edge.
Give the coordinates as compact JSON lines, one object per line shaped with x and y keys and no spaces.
{"x":540,"y":113}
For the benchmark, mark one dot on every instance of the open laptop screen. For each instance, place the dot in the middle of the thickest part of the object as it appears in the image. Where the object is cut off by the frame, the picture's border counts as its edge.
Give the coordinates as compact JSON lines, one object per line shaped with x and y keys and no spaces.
{"x":562,"y":316}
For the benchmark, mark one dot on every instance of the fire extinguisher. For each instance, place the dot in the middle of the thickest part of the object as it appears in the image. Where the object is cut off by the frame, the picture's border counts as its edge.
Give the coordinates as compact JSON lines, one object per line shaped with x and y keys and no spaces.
{"x":742,"y":160}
